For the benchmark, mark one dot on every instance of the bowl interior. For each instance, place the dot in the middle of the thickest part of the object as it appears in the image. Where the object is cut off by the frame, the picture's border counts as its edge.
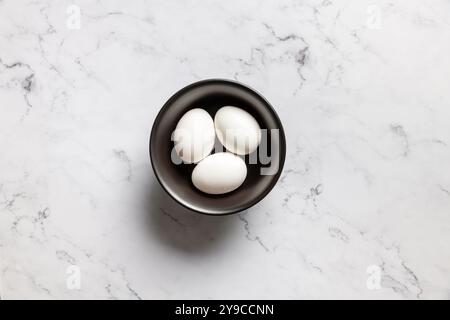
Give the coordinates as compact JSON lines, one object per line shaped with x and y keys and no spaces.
{"x":176,"y":179}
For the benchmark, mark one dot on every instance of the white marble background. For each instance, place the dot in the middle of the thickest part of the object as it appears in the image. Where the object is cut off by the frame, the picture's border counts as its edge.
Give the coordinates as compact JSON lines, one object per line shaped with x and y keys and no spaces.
{"x":362,"y":209}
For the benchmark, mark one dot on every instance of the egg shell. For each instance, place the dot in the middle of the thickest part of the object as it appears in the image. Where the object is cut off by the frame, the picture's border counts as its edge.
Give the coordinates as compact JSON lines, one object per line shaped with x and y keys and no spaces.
{"x":219,"y":173}
{"x":237,"y":130}
{"x":194,"y":135}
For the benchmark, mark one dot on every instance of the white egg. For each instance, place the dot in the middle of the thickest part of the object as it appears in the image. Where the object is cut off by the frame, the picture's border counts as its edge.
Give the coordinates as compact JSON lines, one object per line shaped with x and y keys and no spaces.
{"x":219,"y":173}
{"x":194,"y":136}
{"x":237,"y":130}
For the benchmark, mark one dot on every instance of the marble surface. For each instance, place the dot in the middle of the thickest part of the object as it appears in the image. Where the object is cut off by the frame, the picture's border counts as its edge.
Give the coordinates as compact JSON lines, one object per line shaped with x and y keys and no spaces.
{"x":362,"y":209}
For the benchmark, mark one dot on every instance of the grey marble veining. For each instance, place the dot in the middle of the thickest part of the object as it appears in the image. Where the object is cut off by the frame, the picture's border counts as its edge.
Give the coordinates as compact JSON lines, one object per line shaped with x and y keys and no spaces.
{"x":362,"y":209}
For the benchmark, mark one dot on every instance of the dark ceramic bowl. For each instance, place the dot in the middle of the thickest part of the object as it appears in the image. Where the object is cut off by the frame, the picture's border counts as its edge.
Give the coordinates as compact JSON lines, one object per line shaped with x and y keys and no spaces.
{"x":176,"y":179}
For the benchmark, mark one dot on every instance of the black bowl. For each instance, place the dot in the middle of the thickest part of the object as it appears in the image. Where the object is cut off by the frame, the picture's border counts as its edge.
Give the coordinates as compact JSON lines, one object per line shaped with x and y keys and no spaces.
{"x":176,"y":179}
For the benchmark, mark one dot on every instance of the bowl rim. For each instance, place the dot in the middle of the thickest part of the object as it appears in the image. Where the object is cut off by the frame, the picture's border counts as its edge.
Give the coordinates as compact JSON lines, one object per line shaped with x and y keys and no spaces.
{"x":263,"y":194}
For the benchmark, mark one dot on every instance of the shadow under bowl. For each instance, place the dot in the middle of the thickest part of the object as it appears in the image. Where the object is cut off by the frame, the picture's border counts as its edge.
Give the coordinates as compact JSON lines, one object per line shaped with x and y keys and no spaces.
{"x":211,"y":95}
